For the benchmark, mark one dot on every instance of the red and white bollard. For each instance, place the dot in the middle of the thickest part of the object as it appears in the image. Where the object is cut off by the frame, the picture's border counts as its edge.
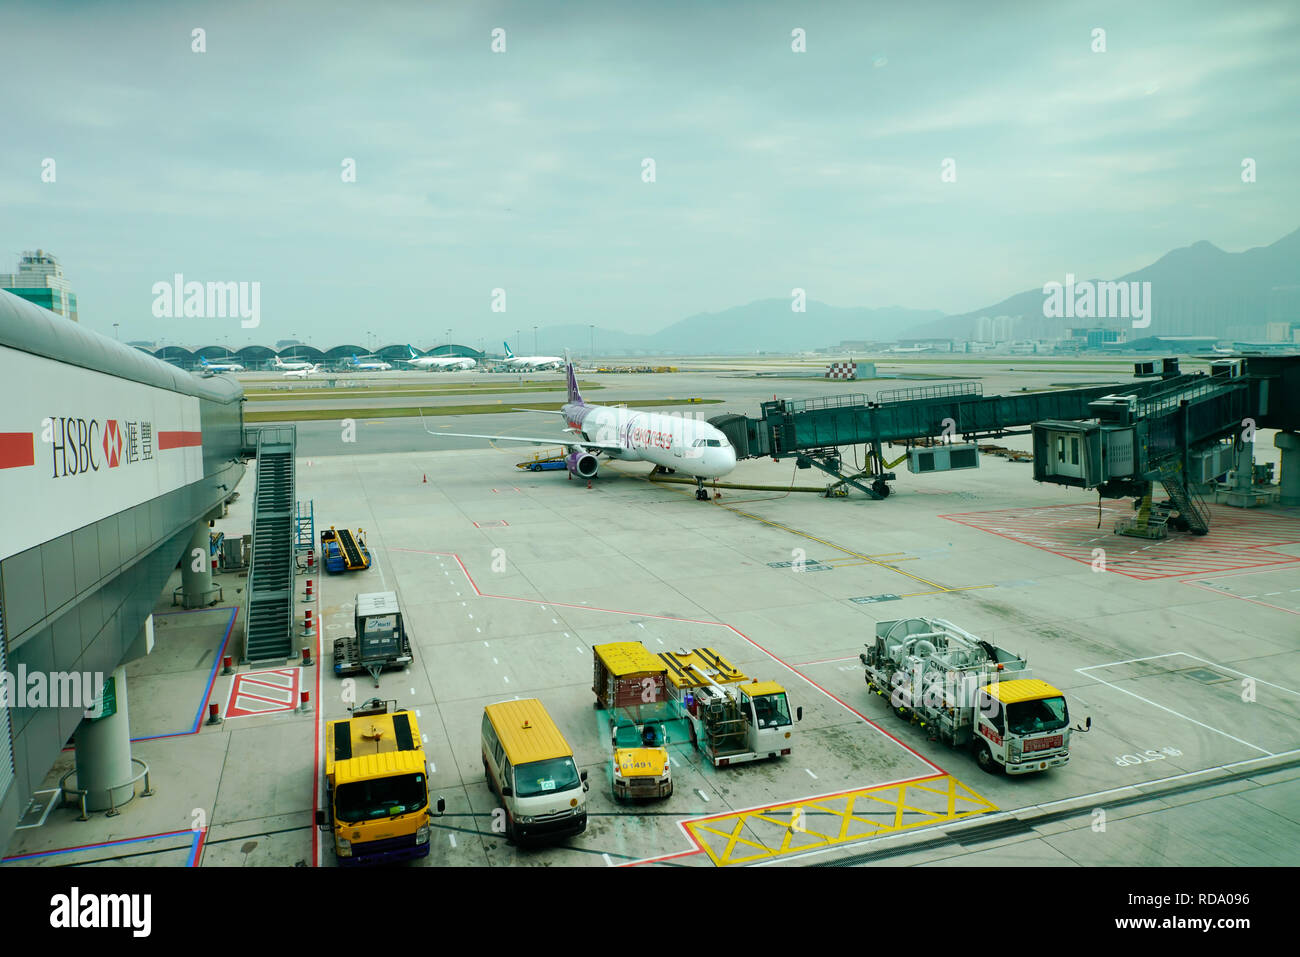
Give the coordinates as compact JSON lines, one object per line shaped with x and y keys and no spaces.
{"x":214,"y":564}
{"x":306,"y":623}
{"x":311,"y":558}
{"x":306,"y":657}
{"x":214,"y":713}
{"x":307,"y":595}
{"x":226,"y":663}
{"x":306,"y":701}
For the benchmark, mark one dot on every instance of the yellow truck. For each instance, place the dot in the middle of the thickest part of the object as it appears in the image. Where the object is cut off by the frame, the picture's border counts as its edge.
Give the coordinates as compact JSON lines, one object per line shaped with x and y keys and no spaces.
{"x":630,"y":686}
{"x":376,"y":786}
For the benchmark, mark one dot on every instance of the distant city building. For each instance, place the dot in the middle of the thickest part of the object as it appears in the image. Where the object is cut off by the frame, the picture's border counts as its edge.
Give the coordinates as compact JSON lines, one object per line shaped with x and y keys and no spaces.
{"x":1097,"y":338}
{"x":39,"y":279}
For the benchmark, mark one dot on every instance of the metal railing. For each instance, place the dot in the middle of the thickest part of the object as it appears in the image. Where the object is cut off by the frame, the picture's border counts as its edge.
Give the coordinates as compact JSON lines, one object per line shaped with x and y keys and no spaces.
{"x":81,"y":793}
{"x":949,"y":390}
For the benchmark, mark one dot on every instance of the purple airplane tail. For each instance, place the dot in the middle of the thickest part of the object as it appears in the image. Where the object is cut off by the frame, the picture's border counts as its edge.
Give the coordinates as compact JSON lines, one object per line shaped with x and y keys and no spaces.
{"x":575,"y":397}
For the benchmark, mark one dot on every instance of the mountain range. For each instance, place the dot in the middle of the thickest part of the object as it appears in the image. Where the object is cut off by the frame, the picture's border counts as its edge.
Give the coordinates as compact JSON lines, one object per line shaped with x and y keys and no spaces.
{"x":1196,"y":290}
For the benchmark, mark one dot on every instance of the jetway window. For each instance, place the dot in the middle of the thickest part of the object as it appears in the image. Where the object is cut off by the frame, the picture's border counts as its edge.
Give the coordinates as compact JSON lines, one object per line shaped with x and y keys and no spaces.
{"x":1060,"y":448}
{"x":1074,"y":451}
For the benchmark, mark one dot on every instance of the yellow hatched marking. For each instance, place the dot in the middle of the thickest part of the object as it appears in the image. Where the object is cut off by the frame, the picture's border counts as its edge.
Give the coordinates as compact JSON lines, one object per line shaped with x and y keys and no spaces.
{"x":798,"y":826}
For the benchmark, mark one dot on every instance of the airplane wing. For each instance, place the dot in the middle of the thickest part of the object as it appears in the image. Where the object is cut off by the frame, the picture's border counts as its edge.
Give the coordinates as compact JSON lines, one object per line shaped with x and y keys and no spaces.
{"x":542,"y":411}
{"x":554,"y":440}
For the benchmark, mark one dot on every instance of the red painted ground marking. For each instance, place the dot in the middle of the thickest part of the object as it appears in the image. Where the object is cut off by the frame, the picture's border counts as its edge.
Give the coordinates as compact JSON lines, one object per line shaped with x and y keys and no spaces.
{"x":1238,"y":538}
{"x":277,"y":690}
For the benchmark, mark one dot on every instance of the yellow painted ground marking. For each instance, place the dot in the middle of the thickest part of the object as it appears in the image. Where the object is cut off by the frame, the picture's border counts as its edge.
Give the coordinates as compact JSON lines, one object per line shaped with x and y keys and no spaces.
{"x":836,"y":819}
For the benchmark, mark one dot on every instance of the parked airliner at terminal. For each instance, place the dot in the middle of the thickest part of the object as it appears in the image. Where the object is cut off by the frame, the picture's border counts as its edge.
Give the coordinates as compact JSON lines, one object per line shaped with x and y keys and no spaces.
{"x":672,"y":442}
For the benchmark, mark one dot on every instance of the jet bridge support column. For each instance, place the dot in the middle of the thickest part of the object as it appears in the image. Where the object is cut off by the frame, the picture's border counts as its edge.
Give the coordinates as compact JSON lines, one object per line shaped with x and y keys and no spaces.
{"x":196,"y":570}
{"x":103,"y":749}
{"x":1289,"y":443}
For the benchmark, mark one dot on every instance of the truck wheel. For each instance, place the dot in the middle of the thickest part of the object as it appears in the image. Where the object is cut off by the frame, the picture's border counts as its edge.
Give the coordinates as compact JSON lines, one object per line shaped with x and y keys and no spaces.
{"x":670,"y":790}
{"x":984,"y":757}
{"x":903,"y":713}
{"x":510,"y":829}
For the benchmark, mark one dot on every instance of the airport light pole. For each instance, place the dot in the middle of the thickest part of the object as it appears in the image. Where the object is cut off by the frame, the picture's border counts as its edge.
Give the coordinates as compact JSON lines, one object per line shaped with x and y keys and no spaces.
{"x":592,"y":327}
{"x":534,"y":340}
{"x":115,"y":335}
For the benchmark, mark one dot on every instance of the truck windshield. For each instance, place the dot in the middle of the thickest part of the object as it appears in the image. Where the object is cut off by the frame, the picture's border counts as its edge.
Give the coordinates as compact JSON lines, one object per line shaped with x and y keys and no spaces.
{"x":542,"y":777}
{"x":771,"y":710}
{"x":382,"y":797}
{"x":1032,"y":717}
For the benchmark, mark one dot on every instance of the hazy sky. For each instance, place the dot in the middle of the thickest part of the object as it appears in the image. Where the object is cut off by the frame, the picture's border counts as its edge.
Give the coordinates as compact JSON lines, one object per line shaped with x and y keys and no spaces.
{"x":523,"y":170}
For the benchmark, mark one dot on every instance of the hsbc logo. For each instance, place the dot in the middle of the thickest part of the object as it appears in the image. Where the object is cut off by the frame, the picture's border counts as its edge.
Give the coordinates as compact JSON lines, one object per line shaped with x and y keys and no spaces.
{"x":112,"y":443}
{"x":78,"y":445}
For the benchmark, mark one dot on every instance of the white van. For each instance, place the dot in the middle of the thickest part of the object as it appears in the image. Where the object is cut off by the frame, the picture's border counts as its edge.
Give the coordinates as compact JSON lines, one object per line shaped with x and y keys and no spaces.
{"x":530,"y":766}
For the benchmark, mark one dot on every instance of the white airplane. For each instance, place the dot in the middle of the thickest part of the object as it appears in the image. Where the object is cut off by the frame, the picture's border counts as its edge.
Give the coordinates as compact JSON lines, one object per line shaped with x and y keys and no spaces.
{"x":311,"y":370}
{"x":442,"y":363}
{"x":672,"y":442}
{"x":376,"y":364}
{"x":291,"y":365}
{"x":534,"y":363}
{"x":215,"y":367}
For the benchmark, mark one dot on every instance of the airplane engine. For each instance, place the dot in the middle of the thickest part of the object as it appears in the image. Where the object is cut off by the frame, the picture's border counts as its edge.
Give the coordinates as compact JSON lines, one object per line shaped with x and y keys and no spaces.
{"x":581,"y":464}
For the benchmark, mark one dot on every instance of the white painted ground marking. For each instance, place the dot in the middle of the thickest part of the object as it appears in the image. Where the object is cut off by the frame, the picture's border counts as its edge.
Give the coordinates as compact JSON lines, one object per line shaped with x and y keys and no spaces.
{"x":811,"y":775}
{"x":507,"y":678}
{"x":462,"y":604}
{"x":1269,"y":594}
{"x":433,"y":768}
{"x":471,"y":614}
{"x":1176,"y":714}
{"x":703,"y":795}
{"x":566,"y":634}
{"x":452,"y":838}
{"x":660,"y":640}
{"x":480,"y":631}
{"x":424,"y":737}
{"x":417,"y":712}
{"x":495,"y":662}
{"x":608,"y":862}
{"x":412,"y":691}
{"x":485,"y":644}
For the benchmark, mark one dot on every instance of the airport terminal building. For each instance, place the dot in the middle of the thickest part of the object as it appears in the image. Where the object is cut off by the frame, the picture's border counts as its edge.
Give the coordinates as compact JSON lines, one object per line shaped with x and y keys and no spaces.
{"x":112,"y":463}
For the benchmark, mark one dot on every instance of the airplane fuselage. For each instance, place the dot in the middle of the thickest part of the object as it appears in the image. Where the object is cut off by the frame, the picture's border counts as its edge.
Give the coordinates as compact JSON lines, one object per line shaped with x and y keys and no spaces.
{"x":676,"y":442}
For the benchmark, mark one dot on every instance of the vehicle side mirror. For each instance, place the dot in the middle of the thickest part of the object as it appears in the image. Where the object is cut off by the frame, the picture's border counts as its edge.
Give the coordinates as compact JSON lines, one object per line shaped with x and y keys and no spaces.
{"x":442,"y":805}
{"x":583,"y":775}
{"x":798,"y":714}
{"x":507,"y":791}
{"x":321,"y":821}
{"x":1087,"y":725}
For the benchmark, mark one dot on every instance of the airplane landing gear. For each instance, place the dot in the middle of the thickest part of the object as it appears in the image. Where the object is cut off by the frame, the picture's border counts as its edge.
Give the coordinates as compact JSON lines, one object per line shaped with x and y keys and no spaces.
{"x":701,"y":493}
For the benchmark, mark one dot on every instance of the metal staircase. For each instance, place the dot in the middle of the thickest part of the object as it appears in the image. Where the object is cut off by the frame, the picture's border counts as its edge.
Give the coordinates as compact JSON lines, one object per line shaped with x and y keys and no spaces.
{"x":304,"y":525}
{"x":268,"y":624}
{"x":1189,"y":505}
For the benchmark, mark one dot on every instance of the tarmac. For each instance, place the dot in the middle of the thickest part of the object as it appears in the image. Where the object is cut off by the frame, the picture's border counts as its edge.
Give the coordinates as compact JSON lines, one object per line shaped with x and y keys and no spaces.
{"x":1183,"y":652}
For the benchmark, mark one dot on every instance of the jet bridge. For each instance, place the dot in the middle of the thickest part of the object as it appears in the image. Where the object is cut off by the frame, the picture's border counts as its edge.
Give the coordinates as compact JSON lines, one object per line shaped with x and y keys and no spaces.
{"x":812,"y":431}
{"x":1173,"y":435}
{"x":1174,"y":430}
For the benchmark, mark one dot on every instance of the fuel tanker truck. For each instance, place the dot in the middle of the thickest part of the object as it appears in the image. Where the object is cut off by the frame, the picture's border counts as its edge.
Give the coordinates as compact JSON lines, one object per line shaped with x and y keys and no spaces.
{"x":969,"y":693}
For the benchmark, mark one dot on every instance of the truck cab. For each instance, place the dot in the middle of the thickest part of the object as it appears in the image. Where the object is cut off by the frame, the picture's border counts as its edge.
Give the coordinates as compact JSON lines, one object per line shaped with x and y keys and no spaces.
{"x":641,"y":765}
{"x":1023,"y":726}
{"x":376,"y":786}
